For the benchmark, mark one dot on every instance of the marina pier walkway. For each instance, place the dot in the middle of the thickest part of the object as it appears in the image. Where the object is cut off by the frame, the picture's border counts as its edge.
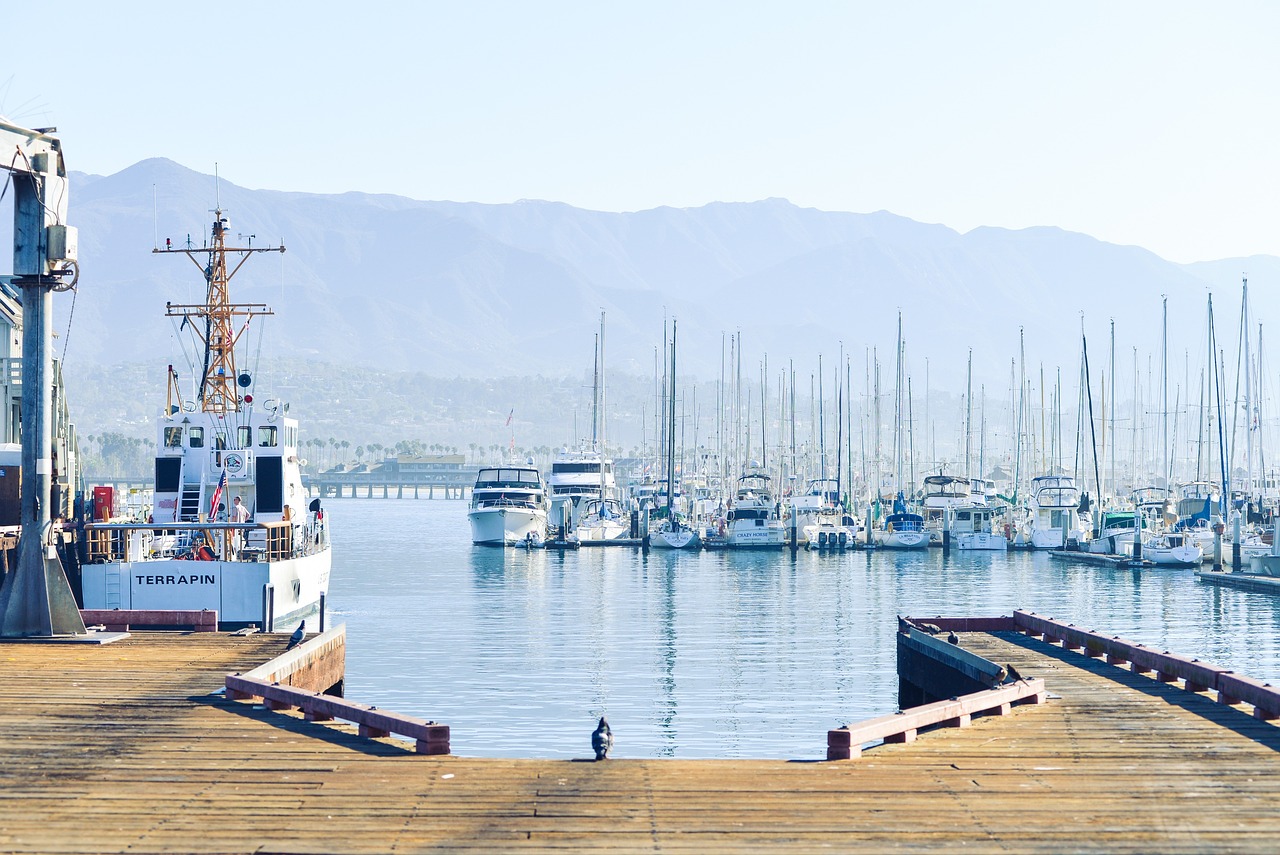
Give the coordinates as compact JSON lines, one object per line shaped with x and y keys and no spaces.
{"x":129,"y":747}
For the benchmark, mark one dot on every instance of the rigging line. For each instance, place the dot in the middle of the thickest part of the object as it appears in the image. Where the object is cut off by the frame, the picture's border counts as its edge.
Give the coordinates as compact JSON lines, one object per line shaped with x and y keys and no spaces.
{"x":66,"y":337}
{"x":177,"y":334}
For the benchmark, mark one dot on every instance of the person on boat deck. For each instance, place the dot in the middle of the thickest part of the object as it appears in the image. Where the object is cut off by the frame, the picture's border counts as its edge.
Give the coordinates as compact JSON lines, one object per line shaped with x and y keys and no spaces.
{"x":239,"y":513}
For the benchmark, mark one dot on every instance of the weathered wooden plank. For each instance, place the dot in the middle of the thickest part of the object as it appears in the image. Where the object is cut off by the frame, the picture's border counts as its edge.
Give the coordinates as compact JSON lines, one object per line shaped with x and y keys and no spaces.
{"x":126,"y":760}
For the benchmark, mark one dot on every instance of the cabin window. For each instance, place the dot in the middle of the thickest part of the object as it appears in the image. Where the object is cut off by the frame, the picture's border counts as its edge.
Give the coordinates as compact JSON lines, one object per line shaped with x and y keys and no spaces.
{"x":244,"y":436}
{"x":173,"y":437}
{"x":267,"y":436}
{"x":220,"y":440}
{"x":195,"y":436}
{"x":962,"y":515}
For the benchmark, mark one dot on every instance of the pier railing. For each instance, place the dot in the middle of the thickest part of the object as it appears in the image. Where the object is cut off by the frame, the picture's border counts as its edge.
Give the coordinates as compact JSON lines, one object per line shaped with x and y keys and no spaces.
{"x":300,"y":678}
{"x":120,"y":620}
{"x":846,"y":742}
{"x":1195,"y":675}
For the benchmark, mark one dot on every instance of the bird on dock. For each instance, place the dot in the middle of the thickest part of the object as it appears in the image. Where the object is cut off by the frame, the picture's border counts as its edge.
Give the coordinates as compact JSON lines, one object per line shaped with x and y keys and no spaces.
{"x":931,"y":628}
{"x":298,"y":634}
{"x":602,"y":739}
{"x":1014,"y":676}
{"x":953,"y":638}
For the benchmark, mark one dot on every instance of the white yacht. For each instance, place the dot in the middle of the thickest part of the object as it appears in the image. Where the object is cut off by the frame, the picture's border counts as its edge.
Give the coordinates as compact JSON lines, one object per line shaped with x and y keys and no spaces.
{"x":972,"y":529}
{"x":942,"y":493}
{"x":819,"y":520}
{"x":577,"y":476}
{"x":752,"y":522}
{"x":508,"y":507}
{"x":230,"y":529}
{"x":1054,"y":503}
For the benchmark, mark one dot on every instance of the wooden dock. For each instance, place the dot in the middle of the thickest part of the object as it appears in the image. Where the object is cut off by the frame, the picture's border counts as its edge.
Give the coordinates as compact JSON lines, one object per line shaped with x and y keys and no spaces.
{"x":1243,"y":581}
{"x":131,"y":747}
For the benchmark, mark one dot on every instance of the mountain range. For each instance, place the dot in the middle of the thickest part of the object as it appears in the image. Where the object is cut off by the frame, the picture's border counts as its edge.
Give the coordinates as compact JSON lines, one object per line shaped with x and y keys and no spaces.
{"x":488,"y":290}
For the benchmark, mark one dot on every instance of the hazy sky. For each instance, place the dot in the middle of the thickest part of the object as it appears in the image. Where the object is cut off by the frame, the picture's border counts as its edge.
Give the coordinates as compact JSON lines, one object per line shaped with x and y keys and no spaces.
{"x":1151,"y":123}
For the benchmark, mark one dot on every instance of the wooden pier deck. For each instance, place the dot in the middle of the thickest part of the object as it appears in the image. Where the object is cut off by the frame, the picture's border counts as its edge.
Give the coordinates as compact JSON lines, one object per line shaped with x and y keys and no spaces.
{"x":123,"y":748}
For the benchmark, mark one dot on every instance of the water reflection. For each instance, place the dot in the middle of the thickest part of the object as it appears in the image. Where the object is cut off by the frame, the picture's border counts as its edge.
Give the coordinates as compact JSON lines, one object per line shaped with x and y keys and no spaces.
{"x":703,"y":655}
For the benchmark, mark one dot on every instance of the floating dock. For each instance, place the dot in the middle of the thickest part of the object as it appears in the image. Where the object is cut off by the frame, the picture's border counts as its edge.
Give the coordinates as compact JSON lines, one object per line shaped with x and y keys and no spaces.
{"x":133,"y":747}
{"x":1099,"y":558}
{"x":1244,"y":581}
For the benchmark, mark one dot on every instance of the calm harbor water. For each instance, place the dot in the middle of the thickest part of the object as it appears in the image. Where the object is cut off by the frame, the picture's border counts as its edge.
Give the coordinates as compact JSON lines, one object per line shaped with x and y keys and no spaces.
{"x":712,"y":654}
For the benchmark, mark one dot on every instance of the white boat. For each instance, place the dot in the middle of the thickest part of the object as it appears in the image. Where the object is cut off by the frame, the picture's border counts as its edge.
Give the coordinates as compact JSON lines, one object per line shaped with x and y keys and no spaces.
{"x":942,"y":493}
{"x":753,"y":522}
{"x":673,"y":534}
{"x":971,"y":529}
{"x":902,"y":531}
{"x":575,"y":478}
{"x":262,"y":559}
{"x":1173,"y":549}
{"x":831,"y":529}
{"x":1054,"y":503}
{"x":1116,"y":529}
{"x":508,"y":507}
{"x":602,"y":519}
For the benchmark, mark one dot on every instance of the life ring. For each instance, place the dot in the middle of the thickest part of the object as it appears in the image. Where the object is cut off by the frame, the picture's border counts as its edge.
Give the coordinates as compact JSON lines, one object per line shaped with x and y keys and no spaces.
{"x":204,"y":553}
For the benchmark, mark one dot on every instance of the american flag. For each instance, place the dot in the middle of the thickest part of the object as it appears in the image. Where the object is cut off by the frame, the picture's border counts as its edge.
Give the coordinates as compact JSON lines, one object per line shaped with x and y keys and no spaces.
{"x":217,"y":495}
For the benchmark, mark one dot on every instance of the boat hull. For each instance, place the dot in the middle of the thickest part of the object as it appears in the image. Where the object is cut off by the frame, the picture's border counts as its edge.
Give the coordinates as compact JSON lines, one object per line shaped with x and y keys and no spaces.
{"x":978,"y":541}
{"x":600,"y":530}
{"x":235,"y":589}
{"x":682,"y":538}
{"x":829,"y":537}
{"x":1177,"y":556}
{"x":751,"y":536}
{"x":903,"y":539}
{"x":507,"y":526}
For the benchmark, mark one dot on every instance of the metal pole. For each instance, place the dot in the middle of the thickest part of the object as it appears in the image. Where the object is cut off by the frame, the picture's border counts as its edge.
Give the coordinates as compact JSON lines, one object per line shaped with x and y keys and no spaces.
{"x":36,"y":599}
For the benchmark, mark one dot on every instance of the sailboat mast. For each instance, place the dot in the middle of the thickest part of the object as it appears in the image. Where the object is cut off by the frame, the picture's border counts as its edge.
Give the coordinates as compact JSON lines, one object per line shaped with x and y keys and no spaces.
{"x":1248,"y":394}
{"x":1164,"y":390}
{"x":671,"y":423}
{"x":604,"y":454}
{"x":968,"y":419}
{"x":595,"y":395}
{"x":822,"y":425}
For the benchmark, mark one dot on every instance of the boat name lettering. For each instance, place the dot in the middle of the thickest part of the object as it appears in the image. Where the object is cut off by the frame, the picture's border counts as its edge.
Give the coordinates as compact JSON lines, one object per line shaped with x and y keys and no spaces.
{"x":193,"y":579}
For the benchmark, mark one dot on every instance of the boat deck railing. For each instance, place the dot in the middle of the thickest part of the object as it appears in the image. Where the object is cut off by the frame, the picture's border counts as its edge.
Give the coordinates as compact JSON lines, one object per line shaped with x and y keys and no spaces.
{"x":201,"y":541}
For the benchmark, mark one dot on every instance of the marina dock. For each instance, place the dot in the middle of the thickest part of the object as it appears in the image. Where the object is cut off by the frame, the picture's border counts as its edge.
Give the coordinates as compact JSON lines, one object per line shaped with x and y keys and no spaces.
{"x":1099,"y":558}
{"x":133,"y":746}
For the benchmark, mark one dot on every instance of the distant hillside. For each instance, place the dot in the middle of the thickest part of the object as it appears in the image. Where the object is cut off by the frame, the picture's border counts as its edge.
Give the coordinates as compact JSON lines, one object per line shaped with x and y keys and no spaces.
{"x":459,"y":289}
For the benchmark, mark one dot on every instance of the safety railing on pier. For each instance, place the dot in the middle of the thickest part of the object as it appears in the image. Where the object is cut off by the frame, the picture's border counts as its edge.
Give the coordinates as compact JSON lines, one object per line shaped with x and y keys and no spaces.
{"x":301,"y":678}
{"x":1195,"y":675}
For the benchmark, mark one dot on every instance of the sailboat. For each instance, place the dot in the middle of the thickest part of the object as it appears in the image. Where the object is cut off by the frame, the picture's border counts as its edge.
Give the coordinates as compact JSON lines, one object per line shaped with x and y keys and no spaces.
{"x":671,"y":532}
{"x":602,"y":516}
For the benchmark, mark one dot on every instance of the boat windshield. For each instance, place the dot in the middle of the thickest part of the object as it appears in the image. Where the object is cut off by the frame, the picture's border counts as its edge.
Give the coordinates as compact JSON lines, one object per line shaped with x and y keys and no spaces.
{"x":498,"y":478}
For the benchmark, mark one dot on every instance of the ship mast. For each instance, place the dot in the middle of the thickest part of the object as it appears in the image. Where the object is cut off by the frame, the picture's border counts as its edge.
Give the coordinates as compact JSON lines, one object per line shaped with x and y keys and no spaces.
{"x":215,"y":320}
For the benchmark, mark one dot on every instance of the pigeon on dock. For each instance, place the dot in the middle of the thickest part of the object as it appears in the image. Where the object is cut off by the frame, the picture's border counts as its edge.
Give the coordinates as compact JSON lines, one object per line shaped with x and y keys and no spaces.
{"x":953,"y":638}
{"x":298,"y":634}
{"x":931,"y":628}
{"x":602,"y":739}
